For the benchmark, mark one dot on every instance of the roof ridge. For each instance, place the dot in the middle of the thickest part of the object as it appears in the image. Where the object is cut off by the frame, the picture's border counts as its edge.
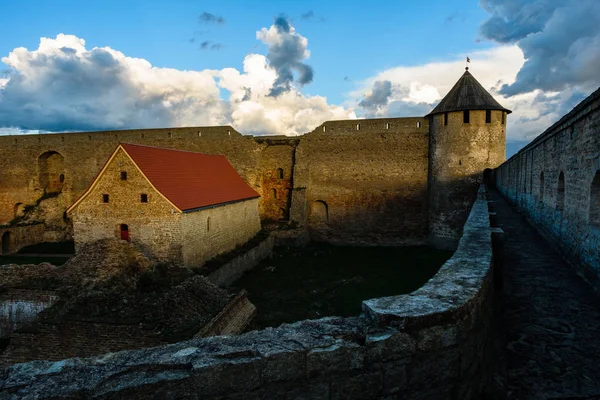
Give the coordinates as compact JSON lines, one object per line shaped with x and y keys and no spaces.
{"x":169,"y":149}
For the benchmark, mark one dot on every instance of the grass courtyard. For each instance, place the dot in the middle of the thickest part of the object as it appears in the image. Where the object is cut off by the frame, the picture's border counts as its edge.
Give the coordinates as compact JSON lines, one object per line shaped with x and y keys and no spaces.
{"x":323,"y":280}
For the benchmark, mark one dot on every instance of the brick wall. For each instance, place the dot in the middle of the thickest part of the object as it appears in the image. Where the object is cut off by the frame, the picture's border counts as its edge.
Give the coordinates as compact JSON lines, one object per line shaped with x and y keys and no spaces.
{"x":551,"y":181}
{"x":230,"y":225}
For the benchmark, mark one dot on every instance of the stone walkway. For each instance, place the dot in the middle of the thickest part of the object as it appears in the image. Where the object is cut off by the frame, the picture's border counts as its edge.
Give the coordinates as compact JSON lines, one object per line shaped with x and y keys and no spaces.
{"x":549,"y":316}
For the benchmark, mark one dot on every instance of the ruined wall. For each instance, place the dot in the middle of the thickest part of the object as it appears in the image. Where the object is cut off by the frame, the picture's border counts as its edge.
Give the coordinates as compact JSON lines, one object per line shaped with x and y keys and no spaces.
{"x":19,"y":307}
{"x":365,"y":186}
{"x":276,"y":167}
{"x":213,"y":231}
{"x":432,"y":343}
{"x":459,"y":153}
{"x":152,"y":226}
{"x":16,"y":237}
{"x":555,"y":183}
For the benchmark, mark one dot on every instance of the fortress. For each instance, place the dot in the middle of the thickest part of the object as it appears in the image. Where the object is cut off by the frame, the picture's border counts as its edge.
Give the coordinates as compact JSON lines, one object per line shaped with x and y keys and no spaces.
{"x":362,"y":182}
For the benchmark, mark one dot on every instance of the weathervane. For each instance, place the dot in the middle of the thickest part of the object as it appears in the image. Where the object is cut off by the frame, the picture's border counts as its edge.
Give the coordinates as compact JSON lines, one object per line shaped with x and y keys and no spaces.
{"x":467,"y":63}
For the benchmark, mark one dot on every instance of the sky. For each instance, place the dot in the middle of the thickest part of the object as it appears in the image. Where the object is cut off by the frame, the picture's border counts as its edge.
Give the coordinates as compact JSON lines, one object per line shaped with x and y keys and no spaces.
{"x":284,"y":67}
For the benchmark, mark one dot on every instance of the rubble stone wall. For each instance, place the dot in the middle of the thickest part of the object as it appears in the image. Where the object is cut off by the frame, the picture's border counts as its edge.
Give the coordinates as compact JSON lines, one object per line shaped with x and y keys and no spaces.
{"x":555,"y":182}
{"x":432,"y":343}
{"x":17,"y":237}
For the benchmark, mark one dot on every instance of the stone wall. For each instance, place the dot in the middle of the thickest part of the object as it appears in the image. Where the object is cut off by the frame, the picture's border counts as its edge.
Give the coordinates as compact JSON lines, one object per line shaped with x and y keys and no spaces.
{"x":459,"y":153}
{"x":233,"y":270}
{"x":152,"y":226}
{"x":15,"y":238}
{"x":212,"y":231}
{"x":366,"y":186}
{"x":276,"y":166}
{"x":19,"y":307}
{"x":233,"y":319}
{"x":432,"y":343}
{"x":555,"y":182}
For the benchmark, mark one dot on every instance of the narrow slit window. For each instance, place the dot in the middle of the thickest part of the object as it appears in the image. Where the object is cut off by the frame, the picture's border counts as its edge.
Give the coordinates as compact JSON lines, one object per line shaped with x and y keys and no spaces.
{"x":274,"y":193}
{"x":105,"y":198}
{"x":418,"y":124}
{"x":123,"y":175}
{"x":358,"y":127}
{"x":144,"y":198}
{"x":445,"y":118}
{"x":503,"y":117}
{"x":466,"y":116}
{"x":280,"y":173}
{"x":208,"y":224}
{"x":488,"y":116}
{"x":387,"y":125}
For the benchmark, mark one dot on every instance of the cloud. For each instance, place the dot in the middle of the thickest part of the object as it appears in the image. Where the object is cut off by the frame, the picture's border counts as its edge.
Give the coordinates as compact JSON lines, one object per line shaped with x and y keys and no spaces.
{"x":286,"y":52}
{"x":560,"y":42}
{"x":64,"y":86}
{"x":379,"y":95}
{"x":208,"y":18}
{"x":210,"y":45}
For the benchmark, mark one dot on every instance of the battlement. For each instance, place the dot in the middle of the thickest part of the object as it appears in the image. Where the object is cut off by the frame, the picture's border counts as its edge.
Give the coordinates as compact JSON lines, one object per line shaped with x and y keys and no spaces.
{"x":392,"y":125}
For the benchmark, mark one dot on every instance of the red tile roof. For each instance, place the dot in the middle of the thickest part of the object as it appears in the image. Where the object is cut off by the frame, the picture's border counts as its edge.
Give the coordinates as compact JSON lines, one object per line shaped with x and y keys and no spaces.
{"x":190,"y":180}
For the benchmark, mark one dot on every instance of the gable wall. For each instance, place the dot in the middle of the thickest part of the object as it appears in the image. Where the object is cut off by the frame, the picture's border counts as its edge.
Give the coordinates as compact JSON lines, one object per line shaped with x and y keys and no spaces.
{"x":152,"y":226}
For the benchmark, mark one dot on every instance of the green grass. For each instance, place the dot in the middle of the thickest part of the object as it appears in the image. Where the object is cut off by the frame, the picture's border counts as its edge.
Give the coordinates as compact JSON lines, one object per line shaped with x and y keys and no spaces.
{"x":32,"y":260}
{"x":322,"y":280}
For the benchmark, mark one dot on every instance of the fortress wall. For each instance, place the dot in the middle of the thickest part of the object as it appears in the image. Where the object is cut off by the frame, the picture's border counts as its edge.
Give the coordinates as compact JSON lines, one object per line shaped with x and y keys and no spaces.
{"x":363,"y":187}
{"x":85,"y":153}
{"x":432,"y":343}
{"x":276,"y":180}
{"x":565,"y":211}
{"x":17,"y":237}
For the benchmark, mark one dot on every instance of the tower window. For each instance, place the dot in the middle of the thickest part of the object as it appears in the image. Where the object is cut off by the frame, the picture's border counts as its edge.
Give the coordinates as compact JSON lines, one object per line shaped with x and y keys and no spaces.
{"x":488,"y":116}
{"x":466,"y":116}
{"x":280,"y":173}
{"x":105,"y":198}
{"x":446,"y":118}
{"x":123,"y":175}
{"x":418,"y":124}
{"x":274,"y":193}
{"x":358,"y":127}
{"x":503,"y":117}
{"x":387,"y":125}
{"x":144,"y":198}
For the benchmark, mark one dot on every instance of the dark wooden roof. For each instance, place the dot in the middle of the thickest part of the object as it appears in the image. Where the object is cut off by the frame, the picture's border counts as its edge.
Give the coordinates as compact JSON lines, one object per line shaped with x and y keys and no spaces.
{"x":467,"y":94}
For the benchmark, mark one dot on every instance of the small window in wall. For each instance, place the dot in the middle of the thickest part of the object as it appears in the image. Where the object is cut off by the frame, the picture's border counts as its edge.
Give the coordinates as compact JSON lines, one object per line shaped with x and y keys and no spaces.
{"x":324,"y":128}
{"x":466,"y":116}
{"x":170,"y":134}
{"x":61,"y":178}
{"x":541,"y":190}
{"x":560,"y":193}
{"x":274,"y":193}
{"x":503,"y":117}
{"x":387,"y":125}
{"x":105,"y":198}
{"x":280,"y":173}
{"x":123,"y":175}
{"x":418,"y":124}
{"x":358,"y":127}
{"x":595,"y":201}
{"x":445,"y":118}
{"x":488,"y":116}
{"x":208,"y":224}
{"x":144,"y":198}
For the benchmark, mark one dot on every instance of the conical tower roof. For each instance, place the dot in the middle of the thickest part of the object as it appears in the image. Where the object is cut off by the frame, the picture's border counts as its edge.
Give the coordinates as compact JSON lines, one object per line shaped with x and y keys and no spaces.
{"x":467,"y":94}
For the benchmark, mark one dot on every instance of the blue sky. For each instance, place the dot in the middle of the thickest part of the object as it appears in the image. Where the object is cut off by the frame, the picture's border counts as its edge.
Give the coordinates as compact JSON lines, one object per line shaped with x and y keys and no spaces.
{"x":401,"y":56}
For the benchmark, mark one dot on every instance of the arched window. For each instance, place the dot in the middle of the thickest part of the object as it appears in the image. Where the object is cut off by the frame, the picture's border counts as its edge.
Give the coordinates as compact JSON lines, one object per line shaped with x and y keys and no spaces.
{"x":560,"y":192}
{"x":320,"y":211}
{"x":50,"y":169}
{"x":541,"y":189}
{"x":595,"y":201}
{"x":280,"y":173}
{"x":274,"y":193}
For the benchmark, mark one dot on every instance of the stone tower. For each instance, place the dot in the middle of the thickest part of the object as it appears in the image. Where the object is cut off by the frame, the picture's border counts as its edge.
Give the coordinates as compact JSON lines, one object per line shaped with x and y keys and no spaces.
{"x":467,"y":134}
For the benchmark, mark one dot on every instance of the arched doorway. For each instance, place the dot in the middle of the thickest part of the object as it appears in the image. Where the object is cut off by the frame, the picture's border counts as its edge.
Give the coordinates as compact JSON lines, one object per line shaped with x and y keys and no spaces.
{"x":51,"y":171}
{"x":488,"y":177}
{"x":124,"y":229}
{"x":320,"y":211}
{"x":6,"y":242}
